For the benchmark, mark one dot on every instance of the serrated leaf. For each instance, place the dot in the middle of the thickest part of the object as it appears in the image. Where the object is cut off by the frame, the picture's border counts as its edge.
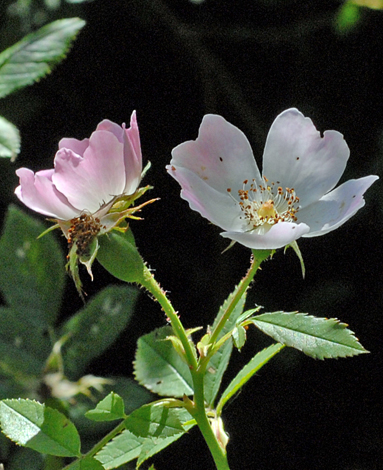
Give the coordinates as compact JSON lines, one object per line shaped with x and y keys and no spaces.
{"x":258,"y":361}
{"x":32,"y":272}
{"x":95,"y":327}
{"x":317,"y":337}
{"x":219,"y":362}
{"x":36,"y":54}
{"x":123,"y":448}
{"x":119,"y":256}
{"x":9,"y":139}
{"x":108,"y":409}
{"x":38,"y":427}
{"x":159,"y":368}
{"x":127,"y":446}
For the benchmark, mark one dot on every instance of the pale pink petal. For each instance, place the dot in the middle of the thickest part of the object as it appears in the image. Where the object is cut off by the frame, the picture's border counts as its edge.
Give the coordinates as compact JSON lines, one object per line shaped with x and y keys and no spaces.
{"x":112,"y":127}
{"x":278,"y":236}
{"x":336,"y":207}
{"x":132,"y":156}
{"x":220,"y":208}
{"x":38,"y":193}
{"x":94,"y":180}
{"x":298,"y":157}
{"x":77,"y":146}
{"x":221,"y":156}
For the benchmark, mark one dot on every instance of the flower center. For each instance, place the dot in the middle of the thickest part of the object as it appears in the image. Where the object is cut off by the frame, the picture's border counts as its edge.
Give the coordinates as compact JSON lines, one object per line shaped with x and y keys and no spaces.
{"x":82,"y":232}
{"x":264,"y":206}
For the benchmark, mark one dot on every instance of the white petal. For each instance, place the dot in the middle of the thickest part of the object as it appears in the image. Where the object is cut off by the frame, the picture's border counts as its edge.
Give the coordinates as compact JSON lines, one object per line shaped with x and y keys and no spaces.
{"x":278,"y":236}
{"x":221,"y":156}
{"x":298,"y":157}
{"x":218,"y":207}
{"x":336,"y":207}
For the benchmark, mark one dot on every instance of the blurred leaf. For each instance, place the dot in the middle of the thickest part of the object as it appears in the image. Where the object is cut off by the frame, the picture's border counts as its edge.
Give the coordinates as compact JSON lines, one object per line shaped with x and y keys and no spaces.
{"x":108,"y":409}
{"x":159,"y":368}
{"x":219,"y":362}
{"x":9,"y":139}
{"x":24,"y":458}
{"x":373,"y":4}
{"x":319,"y":338}
{"x":95,"y":327}
{"x":32,"y":272}
{"x":347,"y":18}
{"x":258,"y":361}
{"x":119,"y":256}
{"x":22,"y":354}
{"x":36,"y":54}
{"x":127,"y":446}
{"x":38,"y":427}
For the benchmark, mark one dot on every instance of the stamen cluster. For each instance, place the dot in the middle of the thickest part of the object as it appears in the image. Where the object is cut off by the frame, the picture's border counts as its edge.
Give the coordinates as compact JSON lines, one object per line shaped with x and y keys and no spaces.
{"x":82,"y":232}
{"x":267,"y":204}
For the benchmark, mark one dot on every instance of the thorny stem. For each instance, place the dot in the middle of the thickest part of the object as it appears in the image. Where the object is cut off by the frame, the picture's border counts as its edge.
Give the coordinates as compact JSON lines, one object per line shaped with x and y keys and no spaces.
{"x":97,"y":447}
{"x":257,"y":258}
{"x":154,"y":288}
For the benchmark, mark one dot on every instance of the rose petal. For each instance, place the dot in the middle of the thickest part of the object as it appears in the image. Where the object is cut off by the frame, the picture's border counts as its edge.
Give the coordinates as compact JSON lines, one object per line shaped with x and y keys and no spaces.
{"x":132,"y":156}
{"x":38,"y":193}
{"x":336,"y":207}
{"x":94,"y":180}
{"x":221,"y":156}
{"x":298,"y":157}
{"x":220,"y":208}
{"x":280,"y":235}
{"x":77,"y":146}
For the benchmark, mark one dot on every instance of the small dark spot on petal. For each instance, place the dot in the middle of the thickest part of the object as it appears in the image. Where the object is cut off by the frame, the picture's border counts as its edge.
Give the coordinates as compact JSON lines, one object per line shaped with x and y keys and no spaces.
{"x":220,"y":158}
{"x":297,"y":158}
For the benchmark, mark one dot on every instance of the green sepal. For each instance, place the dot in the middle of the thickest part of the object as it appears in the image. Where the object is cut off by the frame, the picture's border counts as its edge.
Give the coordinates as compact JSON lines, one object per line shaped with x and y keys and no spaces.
{"x":119,"y":256}
{"x":295,"y":247}
{"x":73,"y":269}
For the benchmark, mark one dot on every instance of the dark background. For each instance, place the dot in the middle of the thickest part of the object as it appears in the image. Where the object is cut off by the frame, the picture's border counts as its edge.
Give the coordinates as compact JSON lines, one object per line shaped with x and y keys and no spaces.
{"x":174,"y":61}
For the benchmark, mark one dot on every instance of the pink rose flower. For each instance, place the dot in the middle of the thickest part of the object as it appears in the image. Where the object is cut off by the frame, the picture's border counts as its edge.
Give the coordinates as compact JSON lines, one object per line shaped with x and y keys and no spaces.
{"x":293,"y":198}
{"x":88,"y":176}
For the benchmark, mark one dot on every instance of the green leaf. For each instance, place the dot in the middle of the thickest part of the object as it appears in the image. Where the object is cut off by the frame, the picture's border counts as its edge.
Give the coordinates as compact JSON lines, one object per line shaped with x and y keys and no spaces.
{"x":38,"y":427}
{"x":159,"y":368}
{"x":119,"y":256}
{"x":95,"y":327}
{"x":36,"y":54}
{"x":127,"y":446}
{"x":219,"y":362}
{"x":9,"y":139}
{"x":108,"y":409}
{"x":319,"y":338}
{"x":88,"y":463}
{"x":154,"y":420}
{"x":123,"y":448}
{"x":32,"y":272}
{"x":258,"y":361}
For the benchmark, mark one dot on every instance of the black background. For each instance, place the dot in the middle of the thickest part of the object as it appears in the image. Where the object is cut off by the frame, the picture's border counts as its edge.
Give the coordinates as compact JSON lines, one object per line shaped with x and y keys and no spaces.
{"x":174,"y":61}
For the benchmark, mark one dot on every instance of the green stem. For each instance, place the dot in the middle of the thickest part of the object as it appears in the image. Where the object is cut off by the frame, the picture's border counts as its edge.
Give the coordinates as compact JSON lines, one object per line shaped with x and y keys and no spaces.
{"x":196,"y":408}
{"x":154,"y":288}
{"x":198,"y":411}
{"x":257,"y":258}
{"x":97,"y":447}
